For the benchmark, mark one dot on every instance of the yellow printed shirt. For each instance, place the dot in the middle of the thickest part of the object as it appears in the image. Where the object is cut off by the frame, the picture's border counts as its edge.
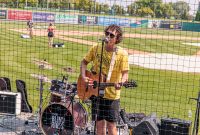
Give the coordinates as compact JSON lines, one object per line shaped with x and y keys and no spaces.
{"x":121,"y":64}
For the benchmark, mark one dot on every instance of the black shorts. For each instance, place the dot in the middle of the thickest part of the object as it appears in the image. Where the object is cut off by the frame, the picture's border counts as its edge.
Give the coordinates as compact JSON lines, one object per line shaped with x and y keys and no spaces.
{"x":50,"y":34}
{"x":108,"y":109}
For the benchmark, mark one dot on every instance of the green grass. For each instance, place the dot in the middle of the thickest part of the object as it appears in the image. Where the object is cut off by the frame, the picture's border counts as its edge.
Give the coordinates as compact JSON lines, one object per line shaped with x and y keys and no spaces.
{"x":152,"y":45}
{"x":161,"y":91}
{"x":166,"y":92}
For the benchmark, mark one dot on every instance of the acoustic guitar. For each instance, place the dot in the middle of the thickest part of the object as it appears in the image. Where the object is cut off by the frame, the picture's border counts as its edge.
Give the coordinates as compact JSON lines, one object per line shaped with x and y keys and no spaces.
{"x":85,"y":91}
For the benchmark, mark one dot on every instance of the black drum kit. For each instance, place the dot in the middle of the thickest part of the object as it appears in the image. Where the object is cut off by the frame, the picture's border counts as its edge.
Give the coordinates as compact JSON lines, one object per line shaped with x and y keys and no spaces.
{"x":64,"y":114}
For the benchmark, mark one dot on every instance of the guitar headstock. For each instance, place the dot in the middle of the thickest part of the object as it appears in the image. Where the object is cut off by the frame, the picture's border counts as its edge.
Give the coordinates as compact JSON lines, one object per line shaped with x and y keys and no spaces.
{"x":130,"y":84}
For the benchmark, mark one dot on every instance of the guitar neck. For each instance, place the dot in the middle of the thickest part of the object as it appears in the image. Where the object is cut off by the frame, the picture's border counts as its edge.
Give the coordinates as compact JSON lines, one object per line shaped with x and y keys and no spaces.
{"x":109,"y":84}
{"x":105,"y":84}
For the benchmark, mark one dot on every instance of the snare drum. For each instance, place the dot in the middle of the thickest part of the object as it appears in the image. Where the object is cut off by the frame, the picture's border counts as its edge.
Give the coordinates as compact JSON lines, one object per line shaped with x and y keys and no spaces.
{"x":55,"y":97}
{"x":57,"y":118}
{"x":62,"y":92}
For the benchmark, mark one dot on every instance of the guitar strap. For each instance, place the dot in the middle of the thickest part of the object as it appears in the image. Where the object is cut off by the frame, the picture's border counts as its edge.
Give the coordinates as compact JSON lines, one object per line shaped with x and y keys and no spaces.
{"x":112,"y":63}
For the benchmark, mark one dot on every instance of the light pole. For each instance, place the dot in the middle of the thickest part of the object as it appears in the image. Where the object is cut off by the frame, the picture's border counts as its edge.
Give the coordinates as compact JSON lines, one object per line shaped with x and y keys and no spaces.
{"x":26,"y":4}
{"x":95,"y":6}
{"x":17,"y":3}
{"x":47,"y":4}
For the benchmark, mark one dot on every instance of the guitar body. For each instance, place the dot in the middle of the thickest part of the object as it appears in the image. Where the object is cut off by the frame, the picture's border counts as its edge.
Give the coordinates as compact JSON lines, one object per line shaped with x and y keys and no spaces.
{"x":84,"y":91}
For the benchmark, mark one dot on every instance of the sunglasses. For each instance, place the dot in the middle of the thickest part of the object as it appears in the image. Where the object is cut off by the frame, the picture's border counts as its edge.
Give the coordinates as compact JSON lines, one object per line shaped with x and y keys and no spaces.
{"x":109,"y":34}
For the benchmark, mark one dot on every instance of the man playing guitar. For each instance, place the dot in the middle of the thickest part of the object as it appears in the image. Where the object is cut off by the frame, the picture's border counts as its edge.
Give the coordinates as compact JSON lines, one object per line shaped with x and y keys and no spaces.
{"x":114,"y":65}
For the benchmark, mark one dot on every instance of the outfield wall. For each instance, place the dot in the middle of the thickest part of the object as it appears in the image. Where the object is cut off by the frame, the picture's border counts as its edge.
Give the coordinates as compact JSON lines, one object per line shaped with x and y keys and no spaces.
{"x":96,"y":20}
{"x":72,"y":19}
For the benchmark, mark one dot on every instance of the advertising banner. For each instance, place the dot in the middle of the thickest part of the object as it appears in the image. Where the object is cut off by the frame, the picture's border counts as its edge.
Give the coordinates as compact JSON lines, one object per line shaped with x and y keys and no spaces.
{"x":124,"y":22}
{"x":139,"y":23}
{"x":154,"y":24}
{"x":19,"y":15}
{"x":90,"y":20}
{"x":170,"y":25}
{"x":43,"y":17}
{"x":3,"y":14}
{"x":64,"y":18}
{"x":105,"y":21}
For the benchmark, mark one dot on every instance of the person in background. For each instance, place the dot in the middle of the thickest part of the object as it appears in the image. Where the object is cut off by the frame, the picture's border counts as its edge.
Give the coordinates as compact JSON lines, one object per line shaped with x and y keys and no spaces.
{"x":30,"y":28}
{"x":108,"y":106}
{"x":51,"y":34}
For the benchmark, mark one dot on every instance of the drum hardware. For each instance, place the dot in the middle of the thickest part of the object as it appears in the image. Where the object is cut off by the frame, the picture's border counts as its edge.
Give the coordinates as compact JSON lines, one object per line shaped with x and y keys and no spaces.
{"x":58,"y":117}
{"x":35,"y":119}
{"x":41,"y":99}
{"x":72,"y":95}
{"x":63,"y":115}
{"x":62,"y":91}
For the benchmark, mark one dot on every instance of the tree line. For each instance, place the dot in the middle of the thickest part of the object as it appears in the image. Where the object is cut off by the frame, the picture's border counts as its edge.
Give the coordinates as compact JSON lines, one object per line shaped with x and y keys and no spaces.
{"x":141,"y":8}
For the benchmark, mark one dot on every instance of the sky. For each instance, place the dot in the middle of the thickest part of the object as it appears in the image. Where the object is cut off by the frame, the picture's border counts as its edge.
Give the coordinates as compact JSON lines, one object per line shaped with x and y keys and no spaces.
{"x":193,"y":3}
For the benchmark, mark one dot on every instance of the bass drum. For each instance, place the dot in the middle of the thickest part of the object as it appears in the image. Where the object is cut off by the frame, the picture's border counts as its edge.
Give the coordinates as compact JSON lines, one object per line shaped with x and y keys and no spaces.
{"x":57,"y":119}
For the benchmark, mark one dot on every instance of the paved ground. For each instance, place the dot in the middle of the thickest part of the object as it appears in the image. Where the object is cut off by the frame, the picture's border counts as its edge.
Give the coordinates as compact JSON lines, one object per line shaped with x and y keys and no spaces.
{"x":15,"y":125}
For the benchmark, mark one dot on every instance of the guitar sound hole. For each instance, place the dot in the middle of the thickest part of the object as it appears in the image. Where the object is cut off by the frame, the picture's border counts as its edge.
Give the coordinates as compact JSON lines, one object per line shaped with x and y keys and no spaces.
{"x":94,"y":84}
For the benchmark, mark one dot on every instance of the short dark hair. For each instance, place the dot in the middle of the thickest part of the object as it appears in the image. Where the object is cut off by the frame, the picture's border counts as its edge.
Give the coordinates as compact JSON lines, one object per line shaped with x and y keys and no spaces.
{"x":119,"y":32}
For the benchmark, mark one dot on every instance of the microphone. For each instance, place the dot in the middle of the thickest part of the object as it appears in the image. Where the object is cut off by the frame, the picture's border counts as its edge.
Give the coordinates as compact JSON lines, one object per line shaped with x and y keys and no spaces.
{"x":105,"y":39}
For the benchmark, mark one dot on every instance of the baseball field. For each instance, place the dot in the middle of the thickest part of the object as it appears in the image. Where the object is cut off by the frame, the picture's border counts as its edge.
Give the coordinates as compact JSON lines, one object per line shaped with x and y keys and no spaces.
{"x":164,"y":63}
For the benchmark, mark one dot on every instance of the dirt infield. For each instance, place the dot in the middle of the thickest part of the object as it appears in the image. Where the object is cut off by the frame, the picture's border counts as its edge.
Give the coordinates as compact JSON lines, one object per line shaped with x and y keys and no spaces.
{"x":63,"y":35}
{"x":42,"y":32}
{"x":140,"y":58}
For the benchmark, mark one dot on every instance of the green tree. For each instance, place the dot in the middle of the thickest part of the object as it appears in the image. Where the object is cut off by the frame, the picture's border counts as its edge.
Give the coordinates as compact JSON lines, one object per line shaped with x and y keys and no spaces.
{"x":197,"y":18}
{"x":55,"y":4}
{"x":145,"y":11}
{"x":146,"y":7}
{"x":181,"y":9}
{"x":167,"y":10}
{"x":85,"y":5}
{"x":132,"y":9}
{"x":119,"y":10}
{"x":104,"y":8}
{"x":97,"y":7}
{"x":7,"y":3}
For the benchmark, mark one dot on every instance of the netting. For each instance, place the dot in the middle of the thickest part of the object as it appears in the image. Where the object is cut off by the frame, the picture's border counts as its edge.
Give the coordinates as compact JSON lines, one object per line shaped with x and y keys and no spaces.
{"x":42,"y":47}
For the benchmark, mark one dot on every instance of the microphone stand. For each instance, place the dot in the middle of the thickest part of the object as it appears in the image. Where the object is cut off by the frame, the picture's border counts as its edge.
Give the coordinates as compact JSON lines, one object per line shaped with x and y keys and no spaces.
{"x":98,"y":98}
{"x":196,"y":122}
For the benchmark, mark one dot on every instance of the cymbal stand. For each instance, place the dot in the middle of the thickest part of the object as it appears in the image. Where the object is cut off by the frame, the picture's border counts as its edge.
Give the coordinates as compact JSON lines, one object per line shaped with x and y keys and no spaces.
{"x":41,"y":83}
{"x":38,"y":113}
{"x":72,"y":95}
{"x":41,"y":99}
